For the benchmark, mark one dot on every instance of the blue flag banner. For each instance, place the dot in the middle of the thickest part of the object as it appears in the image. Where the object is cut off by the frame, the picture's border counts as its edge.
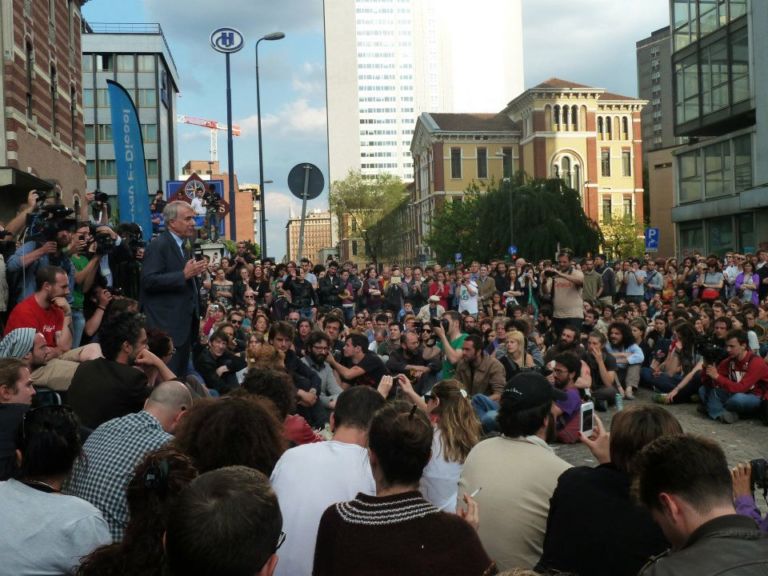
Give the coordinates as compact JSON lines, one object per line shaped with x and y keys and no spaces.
{"x":132,"y":192}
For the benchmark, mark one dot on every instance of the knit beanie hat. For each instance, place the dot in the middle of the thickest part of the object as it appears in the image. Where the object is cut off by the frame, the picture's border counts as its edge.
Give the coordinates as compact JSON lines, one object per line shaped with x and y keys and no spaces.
{"x":17,"y":343}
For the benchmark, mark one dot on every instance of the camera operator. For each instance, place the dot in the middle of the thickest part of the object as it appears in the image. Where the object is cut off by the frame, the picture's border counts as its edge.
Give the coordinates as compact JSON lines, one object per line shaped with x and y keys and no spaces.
{"x":563,"y":285}
{"x":98,"y":203}
{"x":49,"y":243}
{"x":746,"y":476}
{"x":212,"y":204}
{"x":738,"y":385}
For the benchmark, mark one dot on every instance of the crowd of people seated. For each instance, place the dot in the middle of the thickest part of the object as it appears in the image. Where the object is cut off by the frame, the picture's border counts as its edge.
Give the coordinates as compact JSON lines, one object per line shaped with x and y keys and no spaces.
{"x":166,"y":412}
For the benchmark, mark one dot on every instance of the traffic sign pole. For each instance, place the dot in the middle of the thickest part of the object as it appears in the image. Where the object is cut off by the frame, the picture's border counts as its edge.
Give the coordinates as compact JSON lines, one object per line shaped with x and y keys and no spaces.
{"x":307,"y":168}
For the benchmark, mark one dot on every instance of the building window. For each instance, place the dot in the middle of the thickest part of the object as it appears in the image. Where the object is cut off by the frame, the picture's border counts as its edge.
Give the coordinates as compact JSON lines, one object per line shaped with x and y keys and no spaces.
{"x":149,"y":133}
{"x":684,"y":14}
{"x":88,"y":101}
{"x":125,"y":63}
{"x":54,"y":98}
{"x":146,"y":63}
{"x":565,"y":162}
{"x":87,"y":62}
{"x":102,"y":98}
{"x":607,"y":209}
{"x":691,"y":238}
{"x":624,"y":128}
{"x":104,"y":132}
{"x":455,"y":162}
{"x":717,"y":170}
{"x":152,"y":168}
{"x":105,"y":62}
{"x":73,"y":114}
{"x":715,"y":76}
{"x":575,"y":117}
{"x":605,"y":162}
{"x":147,"y":98}
{"x":30,"y":74}
{"x":747,"y":238}
{"x":507,"y":162}
{"x":626,"y":163}
{"x":739,"y":65}
{"x":90,"y":134}
{"x":90,"y":168}
{"x":628,"y":212}
{"x":577,"y":178}
{"x":557,"y":117}
{"x":107,"y":169}
{"x":690,"y":177}
{"x":354,"y":247}
{"x":687,"y":90}
{"x":482,"y":163}
{"x":742,"y":162}
{"x":720,"y":236}
{"x":600,"y":128}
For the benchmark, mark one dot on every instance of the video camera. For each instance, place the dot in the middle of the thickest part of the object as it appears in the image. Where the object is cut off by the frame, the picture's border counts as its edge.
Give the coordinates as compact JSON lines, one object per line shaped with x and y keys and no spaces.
{"x":47,"y":220}
{"x":711,"y":353}
{"x":105,"y":243}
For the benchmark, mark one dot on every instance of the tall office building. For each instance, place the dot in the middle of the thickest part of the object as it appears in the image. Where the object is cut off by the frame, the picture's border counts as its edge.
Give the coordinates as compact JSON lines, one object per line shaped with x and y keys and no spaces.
{"x":721,"y":103}
{"x":387,"y":61}
{"x":317,"y":235}
{"x":138,"y":57}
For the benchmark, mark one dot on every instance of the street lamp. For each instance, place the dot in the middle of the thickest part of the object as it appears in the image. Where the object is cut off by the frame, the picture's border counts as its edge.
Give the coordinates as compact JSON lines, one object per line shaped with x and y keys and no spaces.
{"x":262,"y":205}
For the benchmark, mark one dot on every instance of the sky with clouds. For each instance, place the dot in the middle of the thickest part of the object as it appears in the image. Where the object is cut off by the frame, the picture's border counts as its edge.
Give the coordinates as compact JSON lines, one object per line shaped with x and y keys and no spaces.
{"x":586,"y":41}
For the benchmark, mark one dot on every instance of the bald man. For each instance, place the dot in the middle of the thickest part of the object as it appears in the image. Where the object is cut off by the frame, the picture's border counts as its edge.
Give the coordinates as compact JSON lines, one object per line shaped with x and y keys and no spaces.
{"x":114,"y":449}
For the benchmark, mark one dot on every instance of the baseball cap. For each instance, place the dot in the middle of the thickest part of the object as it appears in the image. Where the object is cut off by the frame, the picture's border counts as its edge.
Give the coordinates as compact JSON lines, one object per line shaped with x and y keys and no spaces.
{"x":528,"y":390}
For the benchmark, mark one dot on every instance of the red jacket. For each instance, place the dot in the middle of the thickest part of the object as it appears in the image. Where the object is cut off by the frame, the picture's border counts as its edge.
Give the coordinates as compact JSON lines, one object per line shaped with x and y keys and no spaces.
{"x":749,"y":375}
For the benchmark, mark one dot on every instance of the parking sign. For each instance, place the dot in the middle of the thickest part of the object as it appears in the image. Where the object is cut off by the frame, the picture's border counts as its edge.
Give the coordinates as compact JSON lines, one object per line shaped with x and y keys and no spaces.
{"x":651,"y":239}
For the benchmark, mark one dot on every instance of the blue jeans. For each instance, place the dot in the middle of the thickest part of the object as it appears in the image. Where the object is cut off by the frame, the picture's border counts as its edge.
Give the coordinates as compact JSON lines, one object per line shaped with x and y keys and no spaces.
{"x":78,"y":327}
{"x":486,"y":410}
{"x":718,"y":401}
{"x":306,"y":313}
{"x":661,"y":383}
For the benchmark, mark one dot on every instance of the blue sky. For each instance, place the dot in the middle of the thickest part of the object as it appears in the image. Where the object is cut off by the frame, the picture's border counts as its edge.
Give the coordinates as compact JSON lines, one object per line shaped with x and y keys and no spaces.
{"x":589,"y":41}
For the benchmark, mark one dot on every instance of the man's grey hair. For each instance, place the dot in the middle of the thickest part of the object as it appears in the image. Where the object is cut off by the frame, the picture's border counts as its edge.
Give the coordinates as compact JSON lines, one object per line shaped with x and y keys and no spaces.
{"x":171,"y":210}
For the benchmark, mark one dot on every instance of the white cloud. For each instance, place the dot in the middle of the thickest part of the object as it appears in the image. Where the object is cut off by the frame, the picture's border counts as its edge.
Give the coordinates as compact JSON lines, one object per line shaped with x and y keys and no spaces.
{"x":294,"y":118}
{"x":310,"y":81}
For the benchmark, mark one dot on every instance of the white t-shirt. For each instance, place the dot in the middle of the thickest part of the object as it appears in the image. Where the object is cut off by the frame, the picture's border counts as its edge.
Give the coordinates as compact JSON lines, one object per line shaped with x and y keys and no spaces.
{"x":46,"y":533}
{"x":468,"y":297}
{"x":308,"y":479}
{"x":440,"y":480}
{"x":197,"y":206}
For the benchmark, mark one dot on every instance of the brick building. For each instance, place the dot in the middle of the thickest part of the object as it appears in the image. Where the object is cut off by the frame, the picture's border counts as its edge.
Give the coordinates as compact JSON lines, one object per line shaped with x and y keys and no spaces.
{"x":40,"y":98}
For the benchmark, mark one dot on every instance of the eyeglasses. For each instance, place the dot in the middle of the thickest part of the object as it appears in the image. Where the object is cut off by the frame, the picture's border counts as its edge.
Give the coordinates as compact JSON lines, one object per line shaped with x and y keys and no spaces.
{"x":236,"y":322}
{"x":280,"y":540}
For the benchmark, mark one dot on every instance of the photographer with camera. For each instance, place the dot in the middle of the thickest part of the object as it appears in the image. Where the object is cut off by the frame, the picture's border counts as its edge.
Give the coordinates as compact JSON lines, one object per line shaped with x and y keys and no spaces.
{"x":450,"y":341}
{"x":738,"y":385}
{"x":564,"y":285}
{"x":97,"y":203}
{"x":212,"y":204}
{"x":746,"y":477}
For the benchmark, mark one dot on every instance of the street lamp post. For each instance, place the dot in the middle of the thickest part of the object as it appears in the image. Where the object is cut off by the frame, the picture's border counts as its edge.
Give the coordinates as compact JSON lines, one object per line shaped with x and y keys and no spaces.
{"x":262,"y":205}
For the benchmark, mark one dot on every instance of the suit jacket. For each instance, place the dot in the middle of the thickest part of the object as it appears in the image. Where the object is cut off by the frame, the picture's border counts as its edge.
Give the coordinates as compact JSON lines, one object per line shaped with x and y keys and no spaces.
{"x":169,"y":301}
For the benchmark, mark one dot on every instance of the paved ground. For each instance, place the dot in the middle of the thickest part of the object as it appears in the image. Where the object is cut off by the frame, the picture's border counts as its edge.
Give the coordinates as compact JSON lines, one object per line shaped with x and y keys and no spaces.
{"x":743,"y":440}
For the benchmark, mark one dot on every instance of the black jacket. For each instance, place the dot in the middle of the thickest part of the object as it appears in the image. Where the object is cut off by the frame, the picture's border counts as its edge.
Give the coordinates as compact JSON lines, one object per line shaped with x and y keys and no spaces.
{"x":595,"y":529}
{"x":330,"y":287}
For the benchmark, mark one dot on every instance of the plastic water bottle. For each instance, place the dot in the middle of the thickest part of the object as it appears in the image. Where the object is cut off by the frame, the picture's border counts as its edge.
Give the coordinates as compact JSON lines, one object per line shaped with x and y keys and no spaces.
{"x":619,"y":402}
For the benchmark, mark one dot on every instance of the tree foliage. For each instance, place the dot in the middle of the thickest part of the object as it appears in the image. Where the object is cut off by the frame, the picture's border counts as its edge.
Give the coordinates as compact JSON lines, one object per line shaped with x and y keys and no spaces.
{"x":369,"y":200}
{"x":545,"y":213}
{"x":623,"y":238}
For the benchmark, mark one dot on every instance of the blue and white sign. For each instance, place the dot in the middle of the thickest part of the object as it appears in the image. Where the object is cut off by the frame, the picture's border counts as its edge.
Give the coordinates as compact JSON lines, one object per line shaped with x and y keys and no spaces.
{"x":651,"y":239}
{"x":458,"y":257}
{"x":512,"y":250}
{"x":227,"y":40}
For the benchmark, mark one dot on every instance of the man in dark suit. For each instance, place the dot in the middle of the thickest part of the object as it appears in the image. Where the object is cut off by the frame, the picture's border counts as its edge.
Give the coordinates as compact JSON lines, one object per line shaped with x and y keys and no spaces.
{"x":169,"y":286}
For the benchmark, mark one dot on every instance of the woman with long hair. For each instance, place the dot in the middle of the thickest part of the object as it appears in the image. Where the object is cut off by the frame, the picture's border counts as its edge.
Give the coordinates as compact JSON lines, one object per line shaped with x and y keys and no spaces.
{"x":710,"y":281}
{"x":456,"y":431}
{"x":158,"y":480}
{"x":441,"y":289}
{"x":747,"y":284}
{"x":359,"y":536}
{"x":45,"y":531}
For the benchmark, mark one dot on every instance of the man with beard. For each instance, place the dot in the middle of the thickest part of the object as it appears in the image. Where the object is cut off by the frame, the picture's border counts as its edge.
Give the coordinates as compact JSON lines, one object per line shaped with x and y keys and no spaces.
{"x":316,"y":350}
{"x":359,"y":367}
{"x":409,"y":360}
{"x":115,"y":385}
{"x":568,"y":342}
{"x":330,"y":287}
{"x":564,"y":286}
{"x":628,"y":355}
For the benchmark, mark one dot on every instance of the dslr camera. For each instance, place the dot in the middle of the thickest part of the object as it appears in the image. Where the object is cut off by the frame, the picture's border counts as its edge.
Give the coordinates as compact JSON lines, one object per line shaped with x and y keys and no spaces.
{"x":709,"y":351}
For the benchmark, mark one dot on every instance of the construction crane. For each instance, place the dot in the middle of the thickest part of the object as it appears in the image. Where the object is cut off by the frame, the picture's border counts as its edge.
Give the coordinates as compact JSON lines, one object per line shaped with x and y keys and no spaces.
{"x":213,"y":126}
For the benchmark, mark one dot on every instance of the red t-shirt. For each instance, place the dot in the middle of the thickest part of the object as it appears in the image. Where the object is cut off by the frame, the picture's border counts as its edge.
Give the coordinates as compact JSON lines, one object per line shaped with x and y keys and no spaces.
{"x":29,"y":314}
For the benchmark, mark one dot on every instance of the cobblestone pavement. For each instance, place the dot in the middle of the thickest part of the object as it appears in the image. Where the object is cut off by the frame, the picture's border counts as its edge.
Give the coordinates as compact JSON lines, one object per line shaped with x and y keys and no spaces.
{"x":743,"y":440}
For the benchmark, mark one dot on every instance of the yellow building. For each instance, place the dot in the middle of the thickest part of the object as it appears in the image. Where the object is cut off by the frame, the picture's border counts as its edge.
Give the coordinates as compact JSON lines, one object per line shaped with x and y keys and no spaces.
{"x":590,"y":138}
{"x":584,"y":135}
{"x":450,"y":153}
{"x":317,"y":235}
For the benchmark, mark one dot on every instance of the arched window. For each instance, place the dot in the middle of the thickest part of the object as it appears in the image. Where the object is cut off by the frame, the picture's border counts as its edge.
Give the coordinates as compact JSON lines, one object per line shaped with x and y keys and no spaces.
{"x":616,"y":128}
{"x":565,"y":117}
{"x":557,"y":117}
{"x":624,"y":128}
{"x":608,"y":128}
{"x":548,"y":118}
{"x":577,"y":177}
{"x":575,"y":117}
{"x":600,"y":128}
{"x":566,"y":164}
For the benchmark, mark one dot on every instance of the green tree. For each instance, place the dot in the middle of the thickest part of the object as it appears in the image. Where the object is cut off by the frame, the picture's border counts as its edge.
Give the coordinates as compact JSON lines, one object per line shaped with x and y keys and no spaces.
{"x":534,"y":215}
{"x":368,"y":201}
{"x":623,"y":238}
